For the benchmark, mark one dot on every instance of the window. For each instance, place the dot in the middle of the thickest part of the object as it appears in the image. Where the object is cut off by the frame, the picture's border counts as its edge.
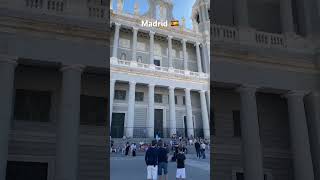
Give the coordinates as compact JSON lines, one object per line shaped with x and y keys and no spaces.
{"x":236,"y":123}
{"x":123,"y":56}
{"x":19,"y":170}
{"x":139,"y":96}
{"x":93,"y":110}
{"x":120,"y":94}
{"x":157,"y":62}
{"x":239,"y":176}
{"x":32,"y":105}
{"x":158,"y":98}
{"x":139,"y":59}
{"x":184,"y":100}
{"x":176,"y":99}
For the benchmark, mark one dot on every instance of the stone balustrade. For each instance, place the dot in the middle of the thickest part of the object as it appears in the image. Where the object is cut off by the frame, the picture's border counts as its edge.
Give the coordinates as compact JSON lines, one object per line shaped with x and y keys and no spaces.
{"x":150,"y":67}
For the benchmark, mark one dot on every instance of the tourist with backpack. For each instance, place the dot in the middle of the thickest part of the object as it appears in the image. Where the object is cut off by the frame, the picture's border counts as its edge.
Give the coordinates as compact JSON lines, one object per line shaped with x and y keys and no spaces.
{"x":181,"y":171}
{"x":151,"y":159}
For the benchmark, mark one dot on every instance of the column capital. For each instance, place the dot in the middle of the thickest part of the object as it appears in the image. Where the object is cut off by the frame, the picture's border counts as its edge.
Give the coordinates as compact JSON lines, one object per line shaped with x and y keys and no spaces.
{"x":152,"y":33}
{"x":184,"y":41}
{"x":171,"y":87}
{"x":117,"y":24}
{"x":8,"y":60}
{"x":297,"y":94}
{"x":135,"y":28}
{"x":247,"y":88}
{"x":112,"y":81}
{"x":197,"y":44}
{"x":315,"y":93}
{"x":169,"y":37}
{"x":77,"y":67}
{"x":187,"y":89}
{"x":151,"y":85}
{"x":132,"y":83}
{"x":202,"y":91}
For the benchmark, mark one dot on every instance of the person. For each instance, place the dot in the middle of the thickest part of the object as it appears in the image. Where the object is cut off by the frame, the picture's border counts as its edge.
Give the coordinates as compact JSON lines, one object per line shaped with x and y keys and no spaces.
{"x":127,"y":148}
{"x":197,"y":146}
{"x":181,"y":171}
{"x":203,"y":149}
{"x":133,"y":149}
{"x":151,"y":159}
{"x":162,"y":161}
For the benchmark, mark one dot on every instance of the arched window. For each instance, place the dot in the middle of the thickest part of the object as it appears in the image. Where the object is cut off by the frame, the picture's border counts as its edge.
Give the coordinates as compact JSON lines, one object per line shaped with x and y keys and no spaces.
{"x":123,"y":56}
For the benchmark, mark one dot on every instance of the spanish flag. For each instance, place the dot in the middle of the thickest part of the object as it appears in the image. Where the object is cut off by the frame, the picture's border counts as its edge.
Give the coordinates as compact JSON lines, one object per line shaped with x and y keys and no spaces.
{"x":174,"y":23}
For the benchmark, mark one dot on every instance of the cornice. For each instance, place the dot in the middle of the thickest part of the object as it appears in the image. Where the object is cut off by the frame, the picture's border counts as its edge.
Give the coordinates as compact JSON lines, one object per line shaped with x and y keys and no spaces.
{"x":61,"y":28}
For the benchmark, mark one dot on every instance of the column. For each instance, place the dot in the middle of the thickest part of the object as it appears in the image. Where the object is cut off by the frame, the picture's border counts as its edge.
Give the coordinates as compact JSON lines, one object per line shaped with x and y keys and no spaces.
{"x":151,"y":47}
{"x":68,"y":124}
{"x":198,"y":57}
{"x":300,"y":147}
{"x":134,"y":44}
{"x":286,"y":17}
{"x":112,"y":84}
{"x":202,"y":10}
{"x":185,"y":59}
{"x":170,"y":51}
{"x":313,"y":108}
{"x":242,"y":13}
{"x":190,"y":129}
{"x":172,"y":111}
{"x":251,"y":145}
{"x":204,"y":113}
{"x":7,"y":70}
{"x":150,"y":123}
{"x":131,"y":102}
{"x":116,"y":40}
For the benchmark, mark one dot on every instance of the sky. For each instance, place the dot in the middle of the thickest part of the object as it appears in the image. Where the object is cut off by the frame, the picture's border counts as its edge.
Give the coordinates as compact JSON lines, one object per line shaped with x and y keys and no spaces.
{"x":181,"y":8}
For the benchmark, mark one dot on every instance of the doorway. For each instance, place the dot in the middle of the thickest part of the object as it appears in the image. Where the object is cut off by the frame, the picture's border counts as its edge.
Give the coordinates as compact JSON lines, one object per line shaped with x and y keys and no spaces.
{"x":158,"y":122}
{"x":117,"y":125}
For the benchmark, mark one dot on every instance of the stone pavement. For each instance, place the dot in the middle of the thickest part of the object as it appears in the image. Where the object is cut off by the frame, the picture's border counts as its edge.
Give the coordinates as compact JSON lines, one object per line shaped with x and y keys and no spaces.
{"x":134,"y":168}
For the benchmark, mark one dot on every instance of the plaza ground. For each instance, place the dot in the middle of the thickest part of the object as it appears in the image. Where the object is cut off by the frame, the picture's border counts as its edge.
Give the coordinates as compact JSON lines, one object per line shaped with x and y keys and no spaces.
{"x":134,"y":168}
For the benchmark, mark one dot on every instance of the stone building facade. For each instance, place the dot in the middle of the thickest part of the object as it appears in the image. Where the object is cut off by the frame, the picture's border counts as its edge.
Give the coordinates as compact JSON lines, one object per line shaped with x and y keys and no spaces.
{"x":159,"y":76}
{"x":265,"y":89}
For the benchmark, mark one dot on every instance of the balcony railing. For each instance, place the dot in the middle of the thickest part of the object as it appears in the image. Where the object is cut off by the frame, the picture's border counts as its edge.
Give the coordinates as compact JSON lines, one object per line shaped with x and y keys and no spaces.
{"x":237,"y":35}
{"x":151,"y":67}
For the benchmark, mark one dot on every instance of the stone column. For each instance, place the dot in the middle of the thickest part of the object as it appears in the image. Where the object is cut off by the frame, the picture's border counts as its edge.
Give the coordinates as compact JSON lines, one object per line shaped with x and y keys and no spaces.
{"x":150,"y":123}
{"x":313,"y":108}
{"x":198,"y":57}
{"x":251,"y":145}
{"x":151,"y":47}
{"x":300,"y":147}
{"x":204,"y":113}
{"x":68,"y":124}
{"x":286,"y":17}
{"x":7,"y":70}
{"x":134,"y":44}
{"x":112,"y":84}
{"x":242,"y":13}
{"x":131,"y":102}
{"x":185,"y":59}
{"x":190,"y":129}
{"x":172,"y":111}
{"x":170,"y":51}
{"x":116,"y":40}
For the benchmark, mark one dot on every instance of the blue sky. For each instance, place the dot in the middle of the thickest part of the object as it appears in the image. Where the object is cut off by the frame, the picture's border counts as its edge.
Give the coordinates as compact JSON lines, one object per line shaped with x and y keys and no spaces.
{"x":181,"y":8}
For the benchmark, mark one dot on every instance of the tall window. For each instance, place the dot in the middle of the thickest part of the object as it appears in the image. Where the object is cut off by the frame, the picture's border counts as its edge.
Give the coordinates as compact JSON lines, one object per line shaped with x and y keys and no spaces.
{"x":236,"y":123}
{"x":120,"y":94}
{"x":139,"y":96}
{"x":32,"y":105}
{"x":158,"y":98}
{"x":93,"y":110}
